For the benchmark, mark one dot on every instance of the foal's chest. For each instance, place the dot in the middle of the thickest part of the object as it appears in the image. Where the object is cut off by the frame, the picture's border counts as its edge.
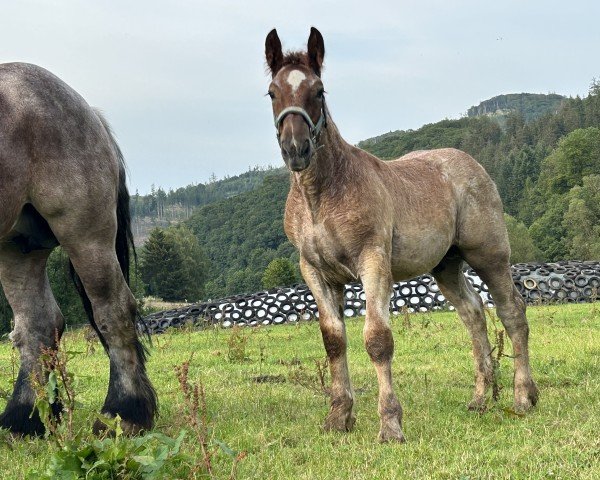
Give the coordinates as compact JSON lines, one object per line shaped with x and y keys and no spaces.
{"x":328,"y":249}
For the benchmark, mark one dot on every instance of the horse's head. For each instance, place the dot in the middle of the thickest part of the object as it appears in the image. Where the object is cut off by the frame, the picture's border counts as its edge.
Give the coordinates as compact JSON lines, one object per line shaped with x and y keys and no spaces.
{"x":297,"y":95}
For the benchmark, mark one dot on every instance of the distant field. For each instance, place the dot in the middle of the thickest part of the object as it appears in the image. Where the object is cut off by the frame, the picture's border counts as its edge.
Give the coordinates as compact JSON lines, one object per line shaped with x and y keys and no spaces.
{"x":277,"y":422}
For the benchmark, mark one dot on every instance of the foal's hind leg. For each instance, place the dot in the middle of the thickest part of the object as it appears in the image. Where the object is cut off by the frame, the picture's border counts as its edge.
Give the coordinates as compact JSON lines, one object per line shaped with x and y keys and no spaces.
{"x":38,"y":322}
{"x":130,"y":394}
{"x":494,"y":270}
{"x":468,"y":304}
{"x":333,"y":330}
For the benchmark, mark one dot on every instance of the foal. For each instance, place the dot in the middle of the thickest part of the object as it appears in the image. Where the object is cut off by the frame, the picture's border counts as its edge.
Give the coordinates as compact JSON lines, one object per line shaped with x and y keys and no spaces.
{"x":353,"y":216}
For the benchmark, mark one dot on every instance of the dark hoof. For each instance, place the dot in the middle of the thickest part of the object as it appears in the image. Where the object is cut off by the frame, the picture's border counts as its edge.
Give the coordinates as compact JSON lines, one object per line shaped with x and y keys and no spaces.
{"x":129,"y":429}
{"x":339,"y":422}
{"x":16,"y":419}
{"x":137,"y":415}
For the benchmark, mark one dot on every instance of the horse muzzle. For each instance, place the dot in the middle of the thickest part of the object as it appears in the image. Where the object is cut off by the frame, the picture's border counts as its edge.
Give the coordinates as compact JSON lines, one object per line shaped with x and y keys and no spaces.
{"x":297,"y":156}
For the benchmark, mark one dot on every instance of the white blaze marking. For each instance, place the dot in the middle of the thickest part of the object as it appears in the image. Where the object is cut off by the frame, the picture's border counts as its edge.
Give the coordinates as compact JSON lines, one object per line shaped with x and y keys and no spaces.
{"x":295,"y":78}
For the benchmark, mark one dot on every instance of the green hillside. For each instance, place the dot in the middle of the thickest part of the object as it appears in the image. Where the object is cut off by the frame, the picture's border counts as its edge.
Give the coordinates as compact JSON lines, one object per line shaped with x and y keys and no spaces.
{"x":241,"y":235}
{"x":161,"y":209}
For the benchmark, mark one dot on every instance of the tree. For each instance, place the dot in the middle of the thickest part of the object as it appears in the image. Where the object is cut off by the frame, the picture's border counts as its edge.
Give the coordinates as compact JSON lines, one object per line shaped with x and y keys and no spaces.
{"x":577,"y":156}
{"x":173,"y":265}
{"x":195,"y":263}
{"x":279,"y":273}
{"x":162,"y":266}
{"x":521,"y":244}
{"x":582,"y":220}
{"x":548,"y":232}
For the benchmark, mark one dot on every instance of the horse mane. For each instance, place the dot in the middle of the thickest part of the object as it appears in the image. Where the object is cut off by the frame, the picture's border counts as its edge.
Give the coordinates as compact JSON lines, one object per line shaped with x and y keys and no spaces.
{"x":293,"y":57}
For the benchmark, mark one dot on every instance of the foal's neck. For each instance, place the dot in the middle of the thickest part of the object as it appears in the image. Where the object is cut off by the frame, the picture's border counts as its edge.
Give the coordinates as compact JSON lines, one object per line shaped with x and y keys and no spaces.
{"x":329,"y":171}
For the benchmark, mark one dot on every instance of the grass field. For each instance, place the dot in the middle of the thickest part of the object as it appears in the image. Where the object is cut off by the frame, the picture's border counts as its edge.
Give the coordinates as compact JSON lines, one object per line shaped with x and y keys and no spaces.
{"x":277,"y":421}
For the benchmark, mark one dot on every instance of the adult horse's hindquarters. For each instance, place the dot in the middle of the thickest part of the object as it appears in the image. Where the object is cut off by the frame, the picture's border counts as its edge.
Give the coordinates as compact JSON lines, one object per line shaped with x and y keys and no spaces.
{"x":62,"y":181}
{"x":353,"y":216}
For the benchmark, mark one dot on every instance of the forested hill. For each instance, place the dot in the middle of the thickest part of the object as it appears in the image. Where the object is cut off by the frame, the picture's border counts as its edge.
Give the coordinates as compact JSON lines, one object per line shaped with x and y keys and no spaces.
{"x":242,"y":235}
{"x":161,"y":208}
{"x":529,"y":105}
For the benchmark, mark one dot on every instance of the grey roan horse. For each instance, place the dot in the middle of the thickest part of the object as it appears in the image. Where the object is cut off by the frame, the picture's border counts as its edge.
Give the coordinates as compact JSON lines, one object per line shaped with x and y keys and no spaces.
{"x":62,"y":182}
{"x":353,"y":216}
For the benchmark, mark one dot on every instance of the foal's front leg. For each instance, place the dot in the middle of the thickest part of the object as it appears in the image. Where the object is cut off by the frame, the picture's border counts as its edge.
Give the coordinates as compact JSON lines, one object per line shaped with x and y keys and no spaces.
{"x":329,"y":300}
{"x":379,"y":342}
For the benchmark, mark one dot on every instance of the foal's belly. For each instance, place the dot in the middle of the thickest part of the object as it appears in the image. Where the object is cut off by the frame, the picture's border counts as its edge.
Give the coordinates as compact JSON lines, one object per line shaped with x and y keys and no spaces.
{"x":417,"y":253}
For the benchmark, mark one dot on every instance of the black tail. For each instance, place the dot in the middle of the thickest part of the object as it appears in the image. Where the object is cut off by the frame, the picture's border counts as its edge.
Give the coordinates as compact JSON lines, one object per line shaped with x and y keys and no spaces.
{"x":124,"y":246}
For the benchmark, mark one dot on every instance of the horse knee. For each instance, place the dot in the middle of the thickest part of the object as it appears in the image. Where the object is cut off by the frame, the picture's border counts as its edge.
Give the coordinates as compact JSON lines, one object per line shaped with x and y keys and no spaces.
{"x":334,"y":341}
{"x":379,"y":343}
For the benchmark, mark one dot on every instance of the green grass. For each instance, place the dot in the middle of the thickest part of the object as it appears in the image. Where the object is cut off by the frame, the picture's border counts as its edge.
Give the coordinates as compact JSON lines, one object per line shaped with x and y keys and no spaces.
{"x":278,"y":424}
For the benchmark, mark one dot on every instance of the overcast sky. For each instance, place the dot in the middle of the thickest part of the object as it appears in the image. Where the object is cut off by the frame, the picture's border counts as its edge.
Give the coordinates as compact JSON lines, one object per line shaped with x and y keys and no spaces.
{"x":183,"y":82}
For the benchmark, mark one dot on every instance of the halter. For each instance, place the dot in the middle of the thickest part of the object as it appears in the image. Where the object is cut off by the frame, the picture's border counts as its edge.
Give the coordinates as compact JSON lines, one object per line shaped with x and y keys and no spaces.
{"x":314,"y":129}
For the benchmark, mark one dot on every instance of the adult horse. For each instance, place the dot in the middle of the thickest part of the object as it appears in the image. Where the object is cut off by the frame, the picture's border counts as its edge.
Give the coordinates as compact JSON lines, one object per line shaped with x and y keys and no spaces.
{"x":62,"y":181}
{"x":353,"y":216}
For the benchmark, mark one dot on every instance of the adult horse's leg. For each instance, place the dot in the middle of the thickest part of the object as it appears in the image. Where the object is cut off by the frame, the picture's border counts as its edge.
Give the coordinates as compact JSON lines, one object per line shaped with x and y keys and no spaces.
{"x":329,"y":300}
{"x":38,"y":323}
{"x":379,"y":342}
{"x":130,"y":394}
{"x":468,"y":304}
{"x":494,"y":270}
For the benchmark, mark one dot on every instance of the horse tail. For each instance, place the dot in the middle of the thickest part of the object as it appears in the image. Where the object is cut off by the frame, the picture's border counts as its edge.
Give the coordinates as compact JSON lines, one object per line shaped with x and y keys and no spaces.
{"x":124,"y":246}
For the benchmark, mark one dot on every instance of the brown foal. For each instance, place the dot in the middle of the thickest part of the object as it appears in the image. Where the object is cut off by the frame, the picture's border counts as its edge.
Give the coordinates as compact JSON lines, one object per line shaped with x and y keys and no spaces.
{"x":353,"y":216}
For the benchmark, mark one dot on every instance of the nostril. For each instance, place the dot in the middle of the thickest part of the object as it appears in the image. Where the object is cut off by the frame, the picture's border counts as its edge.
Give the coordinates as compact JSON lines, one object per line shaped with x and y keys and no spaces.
{"x":286,"y":149}
{"x":305,"y":148}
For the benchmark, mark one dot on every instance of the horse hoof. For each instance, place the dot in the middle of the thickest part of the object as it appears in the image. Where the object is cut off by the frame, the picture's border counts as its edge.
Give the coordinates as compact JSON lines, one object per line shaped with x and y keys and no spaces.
{"x":21,"y":422}
{"x":129,"y":429}
{"x":526,"y":396}
{"x":390,"y":434}
{"x":477,"y":405}
{"x":336,"y":422}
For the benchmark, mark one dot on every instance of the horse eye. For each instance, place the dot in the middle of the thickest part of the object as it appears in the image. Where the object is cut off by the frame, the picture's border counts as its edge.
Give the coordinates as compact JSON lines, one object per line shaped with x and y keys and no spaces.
{"x":320,"y":93}
{"x":271,"y":94}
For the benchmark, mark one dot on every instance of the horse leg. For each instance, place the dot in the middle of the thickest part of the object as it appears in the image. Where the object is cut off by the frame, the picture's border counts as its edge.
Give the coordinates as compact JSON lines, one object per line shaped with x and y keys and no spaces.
{"x":130,"y":393}
{"x":333,"y":330}
{"x":494,"y":270}
{"x":457,"y":289}
{"x":38,"y":323}
{"x":379,"y":342}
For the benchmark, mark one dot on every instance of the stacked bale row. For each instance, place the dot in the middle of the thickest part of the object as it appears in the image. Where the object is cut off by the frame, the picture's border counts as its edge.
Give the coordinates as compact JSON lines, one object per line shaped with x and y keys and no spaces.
{"x":538,"y":283}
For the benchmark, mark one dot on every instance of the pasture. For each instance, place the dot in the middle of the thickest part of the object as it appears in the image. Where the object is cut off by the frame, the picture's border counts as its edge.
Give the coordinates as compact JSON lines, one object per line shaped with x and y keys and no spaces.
{"x":265,"y":397}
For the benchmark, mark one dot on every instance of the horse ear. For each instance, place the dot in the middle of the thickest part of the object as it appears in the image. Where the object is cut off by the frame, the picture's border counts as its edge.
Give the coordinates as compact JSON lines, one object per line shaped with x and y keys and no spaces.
{"x":273,"y":52}
{"x":316,"y":50}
